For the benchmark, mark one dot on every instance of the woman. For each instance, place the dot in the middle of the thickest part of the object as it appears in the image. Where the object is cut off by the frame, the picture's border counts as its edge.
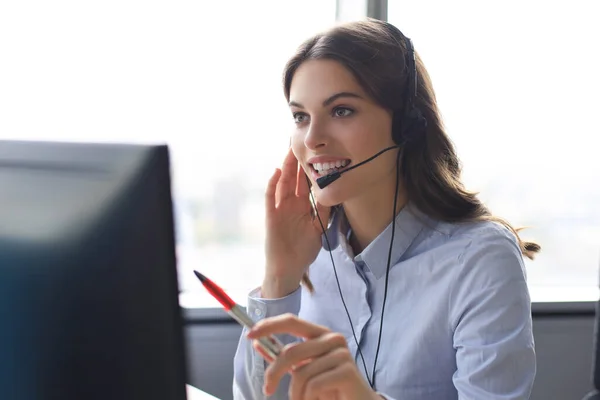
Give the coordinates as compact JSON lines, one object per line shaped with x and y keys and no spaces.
{"x":411,"y":288}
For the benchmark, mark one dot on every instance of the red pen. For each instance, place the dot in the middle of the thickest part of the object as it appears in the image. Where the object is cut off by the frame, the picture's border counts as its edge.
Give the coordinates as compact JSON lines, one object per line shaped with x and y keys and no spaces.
{"x":270,"y":345}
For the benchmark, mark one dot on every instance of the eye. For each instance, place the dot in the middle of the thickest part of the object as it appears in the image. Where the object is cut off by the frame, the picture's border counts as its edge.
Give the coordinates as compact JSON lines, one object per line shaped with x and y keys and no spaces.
{"x":342,"y":112}
{"x":300,"y":117}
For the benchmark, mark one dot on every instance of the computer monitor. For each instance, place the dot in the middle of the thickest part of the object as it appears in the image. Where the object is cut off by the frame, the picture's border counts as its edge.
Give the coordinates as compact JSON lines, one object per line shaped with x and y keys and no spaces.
{"x":88,"y":285}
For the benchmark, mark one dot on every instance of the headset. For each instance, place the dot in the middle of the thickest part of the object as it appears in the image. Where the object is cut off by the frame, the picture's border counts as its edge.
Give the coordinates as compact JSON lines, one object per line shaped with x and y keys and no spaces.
{"x":407,"y":125}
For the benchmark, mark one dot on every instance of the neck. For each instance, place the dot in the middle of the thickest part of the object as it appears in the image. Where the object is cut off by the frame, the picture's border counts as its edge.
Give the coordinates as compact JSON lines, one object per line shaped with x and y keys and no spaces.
{"x":369,"y":214}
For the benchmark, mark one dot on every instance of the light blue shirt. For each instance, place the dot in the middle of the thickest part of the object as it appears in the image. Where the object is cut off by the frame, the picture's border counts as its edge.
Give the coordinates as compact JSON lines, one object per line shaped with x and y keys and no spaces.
{"x":457,"y":320}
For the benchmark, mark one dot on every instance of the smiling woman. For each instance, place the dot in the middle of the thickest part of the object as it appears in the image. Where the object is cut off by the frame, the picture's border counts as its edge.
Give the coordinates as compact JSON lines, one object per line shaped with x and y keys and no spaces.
{"x":393,"y":228}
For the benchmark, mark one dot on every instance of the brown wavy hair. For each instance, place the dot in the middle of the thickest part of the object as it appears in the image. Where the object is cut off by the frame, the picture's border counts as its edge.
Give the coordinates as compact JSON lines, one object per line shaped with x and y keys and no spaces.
{"x":375,"y":52}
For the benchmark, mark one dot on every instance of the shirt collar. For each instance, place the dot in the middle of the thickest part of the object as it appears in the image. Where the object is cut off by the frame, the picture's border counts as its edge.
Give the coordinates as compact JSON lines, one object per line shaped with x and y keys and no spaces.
{"x":409,"y":223}
{"x":334,"y":234}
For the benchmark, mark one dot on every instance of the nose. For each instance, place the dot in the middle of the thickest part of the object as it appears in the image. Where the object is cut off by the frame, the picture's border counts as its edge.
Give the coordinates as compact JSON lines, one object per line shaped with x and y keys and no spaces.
{"x":316,"y":136}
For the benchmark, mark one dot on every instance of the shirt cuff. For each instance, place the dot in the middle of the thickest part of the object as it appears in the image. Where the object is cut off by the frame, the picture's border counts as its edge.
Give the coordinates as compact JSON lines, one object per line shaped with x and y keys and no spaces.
{"x":260,"y":308}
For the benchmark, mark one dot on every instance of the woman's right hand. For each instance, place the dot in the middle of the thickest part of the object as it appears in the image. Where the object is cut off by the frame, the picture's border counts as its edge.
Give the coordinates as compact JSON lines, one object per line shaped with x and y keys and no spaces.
{"x":293,"y":237}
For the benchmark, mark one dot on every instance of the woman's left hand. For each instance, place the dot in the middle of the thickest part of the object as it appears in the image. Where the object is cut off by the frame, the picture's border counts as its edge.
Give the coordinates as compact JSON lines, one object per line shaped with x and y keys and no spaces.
{"x":321,"y":367}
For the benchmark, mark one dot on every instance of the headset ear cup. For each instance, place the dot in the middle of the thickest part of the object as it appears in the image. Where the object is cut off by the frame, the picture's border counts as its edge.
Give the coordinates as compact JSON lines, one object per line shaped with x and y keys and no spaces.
{"x":409,"y":127}
{"x":418,"y":124}
{"x":419,"y":121}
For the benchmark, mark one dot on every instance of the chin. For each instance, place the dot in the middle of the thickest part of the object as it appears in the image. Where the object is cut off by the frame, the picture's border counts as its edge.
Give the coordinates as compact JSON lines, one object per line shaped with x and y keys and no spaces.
{"x":329,"y":197}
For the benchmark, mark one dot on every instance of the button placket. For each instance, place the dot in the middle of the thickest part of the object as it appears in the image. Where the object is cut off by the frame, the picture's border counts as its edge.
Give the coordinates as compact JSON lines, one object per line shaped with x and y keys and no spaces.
{"x":364,"y":307}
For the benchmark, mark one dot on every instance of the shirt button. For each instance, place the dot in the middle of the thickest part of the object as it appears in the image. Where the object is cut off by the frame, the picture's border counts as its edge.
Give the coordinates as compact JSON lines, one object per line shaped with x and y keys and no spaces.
{"x":258,"y":312}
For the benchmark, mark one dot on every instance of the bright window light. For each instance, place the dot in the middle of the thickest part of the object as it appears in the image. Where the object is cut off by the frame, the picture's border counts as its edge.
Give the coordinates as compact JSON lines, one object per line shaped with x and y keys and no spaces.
{"x":202,"y":76}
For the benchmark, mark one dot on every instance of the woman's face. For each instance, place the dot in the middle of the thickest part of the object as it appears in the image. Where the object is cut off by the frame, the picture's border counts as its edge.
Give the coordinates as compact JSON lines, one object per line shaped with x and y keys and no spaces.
{"x":337,"y":126}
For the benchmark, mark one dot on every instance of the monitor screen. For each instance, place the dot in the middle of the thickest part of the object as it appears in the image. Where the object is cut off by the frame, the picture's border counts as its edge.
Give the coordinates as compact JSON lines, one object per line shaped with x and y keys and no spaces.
{"x":88,"y":283}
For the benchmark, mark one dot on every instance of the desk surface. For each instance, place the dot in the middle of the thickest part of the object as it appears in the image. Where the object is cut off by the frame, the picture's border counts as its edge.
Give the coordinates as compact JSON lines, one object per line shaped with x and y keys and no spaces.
{"x":197,"y":394}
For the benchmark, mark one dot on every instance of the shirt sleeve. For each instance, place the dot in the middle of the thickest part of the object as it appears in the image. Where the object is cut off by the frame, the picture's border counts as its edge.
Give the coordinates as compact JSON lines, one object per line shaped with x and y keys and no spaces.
{"x":490,"y":312}
{"x":249,"y":365}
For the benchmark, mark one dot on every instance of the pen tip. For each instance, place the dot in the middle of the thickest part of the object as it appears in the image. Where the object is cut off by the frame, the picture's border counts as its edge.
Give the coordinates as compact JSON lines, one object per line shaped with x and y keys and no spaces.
{"x":200,"y":276}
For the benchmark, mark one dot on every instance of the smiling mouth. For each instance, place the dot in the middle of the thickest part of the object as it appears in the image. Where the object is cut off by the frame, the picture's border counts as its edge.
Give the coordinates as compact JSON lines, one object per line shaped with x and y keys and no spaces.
{"x":327,"y":168}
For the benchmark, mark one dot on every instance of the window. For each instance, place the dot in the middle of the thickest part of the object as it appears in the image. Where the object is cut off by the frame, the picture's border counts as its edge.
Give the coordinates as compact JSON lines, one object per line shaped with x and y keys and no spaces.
{"x":518,"y":85}
{"x":204,"y":76}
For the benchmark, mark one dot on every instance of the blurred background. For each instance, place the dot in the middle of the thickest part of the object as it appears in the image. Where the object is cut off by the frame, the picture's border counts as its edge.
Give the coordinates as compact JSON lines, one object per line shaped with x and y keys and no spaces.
{"x":517,"y":83}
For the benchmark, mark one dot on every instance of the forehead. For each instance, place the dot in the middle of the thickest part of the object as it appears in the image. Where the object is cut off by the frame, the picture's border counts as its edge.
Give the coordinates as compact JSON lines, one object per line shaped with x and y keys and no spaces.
{"x":315,"y":80}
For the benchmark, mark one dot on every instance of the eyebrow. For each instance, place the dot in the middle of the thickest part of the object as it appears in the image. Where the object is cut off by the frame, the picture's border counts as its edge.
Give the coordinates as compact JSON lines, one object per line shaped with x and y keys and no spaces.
{"x":330,"y":99}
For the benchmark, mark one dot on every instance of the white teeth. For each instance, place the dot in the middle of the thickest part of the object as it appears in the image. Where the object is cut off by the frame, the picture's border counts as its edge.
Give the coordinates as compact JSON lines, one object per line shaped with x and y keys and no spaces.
{"x":325,"y":168}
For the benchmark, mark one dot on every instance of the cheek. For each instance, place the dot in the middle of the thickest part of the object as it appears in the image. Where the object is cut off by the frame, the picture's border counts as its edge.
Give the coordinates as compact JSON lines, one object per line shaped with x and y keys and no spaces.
{"x":297,"y":144}
{"x":297,"y":140}
{"x":371,"y":136}
{"x":359,"y":137}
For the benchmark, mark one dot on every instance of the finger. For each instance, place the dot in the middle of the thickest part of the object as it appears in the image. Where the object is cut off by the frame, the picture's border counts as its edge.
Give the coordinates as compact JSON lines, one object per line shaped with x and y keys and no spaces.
{"x":286,"y":323}
{"x":302,"y":375}
{"x":270,"y":192}
{"x":287,"y":182}
{"x":339,"y":379}
{"x":294,"y":355}
{"x":302,"y":183}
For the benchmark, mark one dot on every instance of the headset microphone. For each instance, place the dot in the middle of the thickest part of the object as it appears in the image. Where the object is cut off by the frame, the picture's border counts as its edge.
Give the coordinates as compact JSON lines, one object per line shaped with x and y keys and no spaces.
{"x":328,"y":179}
